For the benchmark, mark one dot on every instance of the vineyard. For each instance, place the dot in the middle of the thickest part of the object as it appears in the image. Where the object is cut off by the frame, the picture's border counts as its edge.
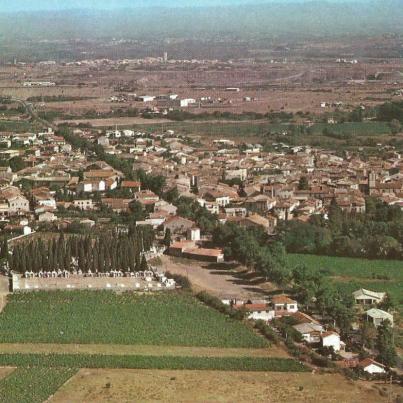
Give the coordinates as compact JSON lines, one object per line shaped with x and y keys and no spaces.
{"x":69,"y":361}
{"x":102,"y":317}
{"x":90,"y":317}
{"x":34,"y":384}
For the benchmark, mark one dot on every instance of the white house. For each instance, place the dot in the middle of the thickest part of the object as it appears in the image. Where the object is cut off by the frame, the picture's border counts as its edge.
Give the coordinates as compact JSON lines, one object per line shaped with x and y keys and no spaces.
{"x":145,"y":98}
{"x":331,"y":339}
{"x":83,"y":204}
{"x":377,"y":316}
{"x":310,"y":332}
{"x":367,"y":297}
{"x":93,"y":186}
{"x":47,"y":217}
{"x":258,"y":311}
{"x":283,"y":304}
{"x":371,"y":366}
{"x":194,"y":234}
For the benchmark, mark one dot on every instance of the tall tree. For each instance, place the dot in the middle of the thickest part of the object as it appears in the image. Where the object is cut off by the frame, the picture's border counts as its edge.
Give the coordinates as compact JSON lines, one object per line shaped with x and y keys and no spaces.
{"x":385,"y":345}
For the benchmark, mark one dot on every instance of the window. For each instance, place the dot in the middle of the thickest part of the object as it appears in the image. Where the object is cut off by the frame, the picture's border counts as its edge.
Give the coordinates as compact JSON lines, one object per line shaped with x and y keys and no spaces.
{"x":291,"y":306}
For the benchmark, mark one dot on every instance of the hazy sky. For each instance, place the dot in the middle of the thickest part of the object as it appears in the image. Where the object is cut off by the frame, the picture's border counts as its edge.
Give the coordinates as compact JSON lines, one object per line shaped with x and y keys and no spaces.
{"x":19,"y":5}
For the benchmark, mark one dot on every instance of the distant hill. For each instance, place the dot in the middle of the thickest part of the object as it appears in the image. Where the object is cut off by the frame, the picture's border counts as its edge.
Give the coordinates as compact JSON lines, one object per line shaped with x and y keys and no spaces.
{"x":297,"y":19}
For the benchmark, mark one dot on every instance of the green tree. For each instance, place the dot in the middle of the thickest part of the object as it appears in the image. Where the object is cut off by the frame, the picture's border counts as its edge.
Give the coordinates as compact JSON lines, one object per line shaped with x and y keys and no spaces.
{"x":368,"y":335}
{"x":303,"y":183}
{"x":167,"y":238}
{"x":384,"y":344}
{"x":16,"y":164}
{"x":143,"y":264}
{"x":395,"y":126}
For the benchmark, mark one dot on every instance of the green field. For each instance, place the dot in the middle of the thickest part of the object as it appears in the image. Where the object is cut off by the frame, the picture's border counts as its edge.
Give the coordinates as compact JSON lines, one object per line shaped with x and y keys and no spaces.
{"x":33,"y":384}
{"x":259,"y":128}
{"x":151,"y":362}
{"x":103,"y":317}
{"x":354,"y":273}
{"x":354,"y":128}
{"x":19,"y":126}
{"x":39,"y":376}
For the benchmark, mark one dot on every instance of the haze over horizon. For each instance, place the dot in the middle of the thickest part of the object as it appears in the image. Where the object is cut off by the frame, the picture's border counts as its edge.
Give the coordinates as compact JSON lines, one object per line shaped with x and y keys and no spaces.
{"x":59,"y":5}
{"x":158,"y":19}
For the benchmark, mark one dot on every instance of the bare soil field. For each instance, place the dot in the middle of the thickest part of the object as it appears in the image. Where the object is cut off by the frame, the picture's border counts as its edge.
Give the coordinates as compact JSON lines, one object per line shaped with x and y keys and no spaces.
{"x":114,"y":121}
{"x":4,"y":371}
{"x":109,"y":385}
{"x":292,"y":86}
{"x":111,"y":349}
{"x":222,"y":283}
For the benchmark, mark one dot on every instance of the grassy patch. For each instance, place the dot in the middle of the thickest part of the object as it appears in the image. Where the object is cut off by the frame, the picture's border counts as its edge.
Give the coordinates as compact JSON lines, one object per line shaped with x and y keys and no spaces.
{"x":354,"y":128}
{"x":351,"y":274}
{"x":350,"y":267}
{"x":34,"y":384}
{"x":19,"y":126}
{"x":104,"y":317}
{"x":149,"y":362}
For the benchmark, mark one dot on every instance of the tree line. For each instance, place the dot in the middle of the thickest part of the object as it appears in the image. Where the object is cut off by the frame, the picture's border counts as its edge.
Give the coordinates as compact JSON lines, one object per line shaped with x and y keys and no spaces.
{"x":377,"y":233}
{"x":251,"y":247}
{"x":111,"y":251}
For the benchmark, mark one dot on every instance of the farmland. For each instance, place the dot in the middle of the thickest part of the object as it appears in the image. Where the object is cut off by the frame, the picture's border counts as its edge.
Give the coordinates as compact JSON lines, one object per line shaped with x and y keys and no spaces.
{"x":33,"y":384}
{"x":160,"y":332}
{"x":114,"y":385}
{"x":151,"y":362}
{"x":105,"y":318}
{"x":353,"y":273}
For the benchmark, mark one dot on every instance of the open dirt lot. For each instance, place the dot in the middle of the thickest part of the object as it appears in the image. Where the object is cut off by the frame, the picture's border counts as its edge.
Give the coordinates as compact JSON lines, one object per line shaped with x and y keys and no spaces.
{"x":222,"y":283}
{"x":114,"y":121}
{"x":211,"y":386}
{"x":5,"y":371}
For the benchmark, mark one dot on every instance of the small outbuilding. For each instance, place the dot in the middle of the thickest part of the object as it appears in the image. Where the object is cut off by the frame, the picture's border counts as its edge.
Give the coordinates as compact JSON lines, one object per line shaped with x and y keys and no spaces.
{"x":377,"y":316}
{"x":371,"y":366}
{"x":367,"y":297}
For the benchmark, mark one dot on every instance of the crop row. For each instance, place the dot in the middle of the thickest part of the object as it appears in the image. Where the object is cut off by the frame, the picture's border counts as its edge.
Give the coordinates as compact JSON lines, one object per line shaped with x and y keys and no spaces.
{"x":33,"y":385}
{"x":88,"y":317}
{"x":151,"y":362}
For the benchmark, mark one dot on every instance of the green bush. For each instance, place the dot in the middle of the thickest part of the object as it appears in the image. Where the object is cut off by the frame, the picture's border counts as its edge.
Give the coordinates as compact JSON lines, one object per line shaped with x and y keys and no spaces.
{"x":267,"y":331}
{"x":216,"y":303}
{"x":183,"y":281}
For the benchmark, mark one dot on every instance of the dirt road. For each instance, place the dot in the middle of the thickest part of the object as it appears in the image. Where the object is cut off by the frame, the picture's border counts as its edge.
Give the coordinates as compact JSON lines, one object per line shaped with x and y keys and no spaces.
{"x":151,"y":350}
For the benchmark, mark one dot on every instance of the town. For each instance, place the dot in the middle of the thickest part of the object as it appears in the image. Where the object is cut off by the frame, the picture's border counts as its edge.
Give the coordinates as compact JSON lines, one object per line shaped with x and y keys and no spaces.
{"x":201,"y":203}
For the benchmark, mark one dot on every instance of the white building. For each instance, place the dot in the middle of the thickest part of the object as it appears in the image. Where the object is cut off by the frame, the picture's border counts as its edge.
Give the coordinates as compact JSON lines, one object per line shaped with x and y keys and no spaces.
{"x":83,"y":204}
{"x":367,"y":297}
{"x":310,"y":332}
{"x":283,"y":304}
{"x":372,"y":367}
{"x":377,"y":316}
{"x":194,"y":234}
{"x":331,"y":339}
{"x":145,"y":98}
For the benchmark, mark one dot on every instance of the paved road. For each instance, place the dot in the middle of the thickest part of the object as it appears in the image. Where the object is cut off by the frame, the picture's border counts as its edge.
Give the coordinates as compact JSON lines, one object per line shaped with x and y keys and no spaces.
{"x":30,"y":110}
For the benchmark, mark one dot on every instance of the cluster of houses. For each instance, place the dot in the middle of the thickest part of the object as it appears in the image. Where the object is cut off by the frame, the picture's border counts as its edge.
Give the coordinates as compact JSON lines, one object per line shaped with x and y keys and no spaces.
{"x":240,"y":183}
{"x":245,"y":184}
{"x":313,"y":333}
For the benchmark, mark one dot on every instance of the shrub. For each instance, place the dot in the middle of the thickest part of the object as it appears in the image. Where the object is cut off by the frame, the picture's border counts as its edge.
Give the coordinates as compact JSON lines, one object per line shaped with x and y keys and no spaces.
{"x":267,"y":331}
{"x":216,"y":303}
{"x":183,"y":281}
